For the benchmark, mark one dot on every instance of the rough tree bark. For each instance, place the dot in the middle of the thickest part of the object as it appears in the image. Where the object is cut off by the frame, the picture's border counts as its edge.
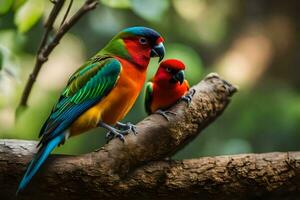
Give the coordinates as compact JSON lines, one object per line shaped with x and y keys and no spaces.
{"x":136,"y":169}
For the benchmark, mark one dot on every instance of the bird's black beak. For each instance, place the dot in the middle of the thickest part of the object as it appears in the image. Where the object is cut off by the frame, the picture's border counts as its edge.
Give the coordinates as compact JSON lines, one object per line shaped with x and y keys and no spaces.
{"x":179,"y":77}
{"x":158,"y":51}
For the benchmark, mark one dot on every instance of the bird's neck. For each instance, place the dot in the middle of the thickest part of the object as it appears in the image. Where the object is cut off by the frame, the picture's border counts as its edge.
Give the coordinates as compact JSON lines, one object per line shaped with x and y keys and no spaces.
{"x":129,"y":51}
{"x":166,"y":84}
{"x":133,"y":73}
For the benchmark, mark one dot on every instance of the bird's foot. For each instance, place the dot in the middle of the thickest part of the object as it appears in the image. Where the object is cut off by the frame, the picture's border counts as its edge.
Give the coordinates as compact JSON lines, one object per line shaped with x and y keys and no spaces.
{"x":188,"y":98}
{"x":165,"y":113}
{"x":113,"y":132}
{"x":127,"y":126}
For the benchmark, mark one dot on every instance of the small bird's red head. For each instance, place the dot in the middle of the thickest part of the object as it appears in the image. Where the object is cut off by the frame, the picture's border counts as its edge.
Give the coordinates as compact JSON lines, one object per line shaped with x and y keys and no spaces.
{"x":170,"y":73}
{"x":172,"y":64}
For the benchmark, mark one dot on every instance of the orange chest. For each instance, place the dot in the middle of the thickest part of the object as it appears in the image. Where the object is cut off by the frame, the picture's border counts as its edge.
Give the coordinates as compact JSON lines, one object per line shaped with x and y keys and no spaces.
{"x":117,"y":103}
{"x":121,"y":99}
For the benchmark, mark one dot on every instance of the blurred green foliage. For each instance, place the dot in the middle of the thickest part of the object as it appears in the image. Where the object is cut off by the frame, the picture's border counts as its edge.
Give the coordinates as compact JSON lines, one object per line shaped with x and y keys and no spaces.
{"x":247,"y":35}
{"x":5,"y":6}
{"x":117,"y":3}
{"x":1,"y":60}
{"x":28,"y":14}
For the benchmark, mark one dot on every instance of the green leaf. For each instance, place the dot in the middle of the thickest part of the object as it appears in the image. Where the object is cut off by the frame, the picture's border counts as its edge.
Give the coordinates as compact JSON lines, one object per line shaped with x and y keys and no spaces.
{"x":5,"y":5}
{"x":29,"y":14}
{"x":117,"y":3}
{"x":18,"y":3}
{"x":150,"y":10}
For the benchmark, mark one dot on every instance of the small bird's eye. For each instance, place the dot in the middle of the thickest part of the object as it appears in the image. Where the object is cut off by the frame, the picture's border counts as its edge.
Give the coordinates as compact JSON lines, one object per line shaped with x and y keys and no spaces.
{"x":143,"y":40}
{"x":168,"y":70}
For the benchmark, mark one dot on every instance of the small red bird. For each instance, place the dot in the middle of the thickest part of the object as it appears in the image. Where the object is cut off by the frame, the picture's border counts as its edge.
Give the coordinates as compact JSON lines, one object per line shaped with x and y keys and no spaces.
{"x":166,"y":88}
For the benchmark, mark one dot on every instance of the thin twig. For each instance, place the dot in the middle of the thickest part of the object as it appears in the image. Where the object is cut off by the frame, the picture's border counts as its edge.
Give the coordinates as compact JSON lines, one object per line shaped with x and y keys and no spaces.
{"x":67,"y":12}
{"x":46,"y":49}
{"x":49,"y":23}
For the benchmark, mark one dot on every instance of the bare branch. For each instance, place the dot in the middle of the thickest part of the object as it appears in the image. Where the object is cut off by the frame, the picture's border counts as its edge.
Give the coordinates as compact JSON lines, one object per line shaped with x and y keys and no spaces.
{"x":67,"y":12}
{"x":45,"y":49}
{"x":49,"y":23}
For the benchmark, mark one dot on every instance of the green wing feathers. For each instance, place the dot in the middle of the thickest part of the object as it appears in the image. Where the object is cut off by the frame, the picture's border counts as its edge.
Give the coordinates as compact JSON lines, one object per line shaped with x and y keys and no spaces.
{"x":148,"y":97}
{"x":88,"y":71}
{"x":85,"y":88}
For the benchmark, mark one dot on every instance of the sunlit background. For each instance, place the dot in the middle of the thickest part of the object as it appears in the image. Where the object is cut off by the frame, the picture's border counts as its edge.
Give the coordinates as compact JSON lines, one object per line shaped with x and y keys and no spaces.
{"x":253,"y":44}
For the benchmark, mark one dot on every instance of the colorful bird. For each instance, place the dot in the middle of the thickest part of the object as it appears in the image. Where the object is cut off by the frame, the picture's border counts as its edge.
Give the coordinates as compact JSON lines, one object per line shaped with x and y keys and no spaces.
{"x":166,"y":88}
{"x":100,"y":93}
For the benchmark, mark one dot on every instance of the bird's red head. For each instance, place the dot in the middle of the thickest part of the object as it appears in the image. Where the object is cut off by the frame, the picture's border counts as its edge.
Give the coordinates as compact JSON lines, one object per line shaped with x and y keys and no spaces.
{"x":141,"y":49}
{"x":172,"y":64}
{"x":139,"y":45}
{"x":170,"y":72}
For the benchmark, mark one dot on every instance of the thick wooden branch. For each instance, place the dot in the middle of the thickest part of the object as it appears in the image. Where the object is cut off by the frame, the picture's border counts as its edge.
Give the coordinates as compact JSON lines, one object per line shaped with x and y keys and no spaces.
{"x":130,"y":169}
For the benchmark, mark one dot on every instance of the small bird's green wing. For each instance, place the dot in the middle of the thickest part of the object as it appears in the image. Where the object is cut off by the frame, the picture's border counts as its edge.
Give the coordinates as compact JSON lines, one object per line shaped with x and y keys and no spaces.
{"x":86,"y":87}
{"x":148,"y":97}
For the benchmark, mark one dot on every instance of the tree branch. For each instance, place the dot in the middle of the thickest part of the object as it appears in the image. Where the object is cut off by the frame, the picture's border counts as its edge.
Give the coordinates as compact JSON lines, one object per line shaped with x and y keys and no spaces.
{"x":67,"y":12}
{"x":49,"y":23}
{"x":122,"y":170}
{"x":45,"y":49}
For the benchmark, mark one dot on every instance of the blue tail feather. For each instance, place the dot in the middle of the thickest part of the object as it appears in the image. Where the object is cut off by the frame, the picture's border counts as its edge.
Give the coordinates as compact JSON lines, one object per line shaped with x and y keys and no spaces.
{"x":39,"y":159}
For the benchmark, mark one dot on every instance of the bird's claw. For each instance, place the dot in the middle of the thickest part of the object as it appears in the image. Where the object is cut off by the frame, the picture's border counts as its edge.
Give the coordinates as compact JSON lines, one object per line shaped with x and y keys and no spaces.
{"x":109,"y":136}
{"x":188,"y":98}
{"x":127,"y":126}
{"x":120,"y":130}
{"x":133,"y":129}
{"x":165,"y":113}
{"x":116,"y":134}
{"x":113,"y":132}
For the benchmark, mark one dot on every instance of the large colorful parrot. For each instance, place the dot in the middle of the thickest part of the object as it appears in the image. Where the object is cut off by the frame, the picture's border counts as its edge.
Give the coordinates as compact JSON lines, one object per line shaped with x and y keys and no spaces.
{"x":100,"y":93}
{"x":166,"y":88}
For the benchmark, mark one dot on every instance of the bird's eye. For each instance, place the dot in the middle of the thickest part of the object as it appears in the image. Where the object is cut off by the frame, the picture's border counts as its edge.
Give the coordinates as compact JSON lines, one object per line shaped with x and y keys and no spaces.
{"x":143,"y":40}
{"x":168,"y":70}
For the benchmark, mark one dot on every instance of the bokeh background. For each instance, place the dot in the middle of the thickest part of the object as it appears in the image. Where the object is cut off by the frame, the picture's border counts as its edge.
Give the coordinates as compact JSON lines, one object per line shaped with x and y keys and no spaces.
{"x":253,"y":44}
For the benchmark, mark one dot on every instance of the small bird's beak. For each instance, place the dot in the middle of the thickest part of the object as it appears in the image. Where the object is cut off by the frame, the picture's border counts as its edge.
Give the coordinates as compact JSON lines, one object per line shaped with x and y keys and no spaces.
{"x":179,"y":77}
{"x":158,"y":51}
